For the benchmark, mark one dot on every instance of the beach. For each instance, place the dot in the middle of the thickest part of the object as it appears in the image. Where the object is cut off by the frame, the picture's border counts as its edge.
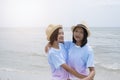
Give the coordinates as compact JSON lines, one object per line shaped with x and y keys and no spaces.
{"x":11,"y":75}
{"x":101,"y":74}
{"x":8,"y":75}
{"x":22,"y":55}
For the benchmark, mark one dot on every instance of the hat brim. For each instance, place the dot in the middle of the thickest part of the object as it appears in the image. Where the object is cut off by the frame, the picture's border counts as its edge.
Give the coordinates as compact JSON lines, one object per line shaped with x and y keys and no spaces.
{"x":86,"y":28}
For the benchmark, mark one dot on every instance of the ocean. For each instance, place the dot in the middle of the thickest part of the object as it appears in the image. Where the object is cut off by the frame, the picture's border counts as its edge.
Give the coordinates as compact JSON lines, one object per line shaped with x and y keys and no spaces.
{"x":106,"y":45}
{"x":22,"y":49}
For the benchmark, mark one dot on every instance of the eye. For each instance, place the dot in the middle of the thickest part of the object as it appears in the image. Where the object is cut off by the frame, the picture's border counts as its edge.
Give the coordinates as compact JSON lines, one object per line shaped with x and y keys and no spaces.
{"x":61,"y":33}
{"x":76,"y":30}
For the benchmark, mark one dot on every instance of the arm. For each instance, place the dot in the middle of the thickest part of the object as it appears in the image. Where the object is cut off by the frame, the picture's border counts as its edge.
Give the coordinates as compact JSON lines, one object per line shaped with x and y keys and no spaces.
{"x":90,"y":65}
{"x":91,"y":74}
{"x":47,"y":47}
{"x":70,"y":70}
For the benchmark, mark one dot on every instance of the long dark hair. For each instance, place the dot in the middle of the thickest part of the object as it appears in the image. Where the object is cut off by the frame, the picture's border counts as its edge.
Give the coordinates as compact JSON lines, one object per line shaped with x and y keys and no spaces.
{"x":84,"y":41}
{"x":54,"y":35}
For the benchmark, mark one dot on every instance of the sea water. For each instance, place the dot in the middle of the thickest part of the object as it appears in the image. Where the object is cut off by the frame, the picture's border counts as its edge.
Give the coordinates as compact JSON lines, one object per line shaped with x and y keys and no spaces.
{"x":22,"y":48}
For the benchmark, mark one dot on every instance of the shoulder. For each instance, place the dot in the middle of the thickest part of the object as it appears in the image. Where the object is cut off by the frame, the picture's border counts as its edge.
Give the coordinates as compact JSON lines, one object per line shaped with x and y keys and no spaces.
{"x":68,"y":43}
{"x":87,"y":47}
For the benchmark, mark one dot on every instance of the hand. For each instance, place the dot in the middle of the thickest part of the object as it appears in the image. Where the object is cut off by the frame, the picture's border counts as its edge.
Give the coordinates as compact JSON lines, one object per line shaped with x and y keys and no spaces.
{"x":86,"y":78}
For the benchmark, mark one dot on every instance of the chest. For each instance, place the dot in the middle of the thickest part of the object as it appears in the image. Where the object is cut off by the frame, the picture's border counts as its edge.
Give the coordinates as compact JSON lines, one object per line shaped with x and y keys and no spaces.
{"x":77,"y":54}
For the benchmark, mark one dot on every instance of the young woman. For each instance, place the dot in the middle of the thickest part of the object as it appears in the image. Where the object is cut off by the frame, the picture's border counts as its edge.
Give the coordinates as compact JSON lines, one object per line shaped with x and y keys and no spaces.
{"x":56,"y":54}
{"x":80,"y":54}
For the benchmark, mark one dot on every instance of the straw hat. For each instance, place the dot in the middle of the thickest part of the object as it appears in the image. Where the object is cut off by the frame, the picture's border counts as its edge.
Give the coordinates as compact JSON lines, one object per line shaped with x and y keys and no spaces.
{"x":83,"y":25}
{"x":50,"y":29}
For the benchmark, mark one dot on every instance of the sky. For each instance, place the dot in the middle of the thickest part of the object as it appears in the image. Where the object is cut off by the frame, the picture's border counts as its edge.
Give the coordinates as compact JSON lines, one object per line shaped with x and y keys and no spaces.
{"x":41,"y":13}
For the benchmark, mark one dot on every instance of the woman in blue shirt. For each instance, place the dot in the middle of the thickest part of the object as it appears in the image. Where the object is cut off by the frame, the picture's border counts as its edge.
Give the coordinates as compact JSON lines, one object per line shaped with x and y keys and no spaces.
{"x":80,"y":54}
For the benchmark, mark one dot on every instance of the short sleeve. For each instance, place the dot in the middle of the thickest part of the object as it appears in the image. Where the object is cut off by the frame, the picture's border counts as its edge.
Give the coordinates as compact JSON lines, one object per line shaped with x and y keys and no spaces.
{"x":90,"y":61}
{"x":57,"y":60}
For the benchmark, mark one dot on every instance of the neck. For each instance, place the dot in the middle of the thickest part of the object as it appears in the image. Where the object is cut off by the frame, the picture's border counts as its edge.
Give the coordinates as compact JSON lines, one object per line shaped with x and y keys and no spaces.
{"x":78,"y":43}
{"x":55,"y":45}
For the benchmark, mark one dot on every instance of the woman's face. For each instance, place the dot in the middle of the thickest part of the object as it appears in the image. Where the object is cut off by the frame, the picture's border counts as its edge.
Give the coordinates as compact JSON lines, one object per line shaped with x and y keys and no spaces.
{"x":60,"y":36}
{"x":78,"y":34}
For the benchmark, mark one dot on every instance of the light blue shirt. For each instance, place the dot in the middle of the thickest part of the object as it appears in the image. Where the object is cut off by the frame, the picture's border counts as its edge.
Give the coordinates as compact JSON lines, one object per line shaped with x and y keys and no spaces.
{"x":79,"y":58}
{"x":57,"y":57}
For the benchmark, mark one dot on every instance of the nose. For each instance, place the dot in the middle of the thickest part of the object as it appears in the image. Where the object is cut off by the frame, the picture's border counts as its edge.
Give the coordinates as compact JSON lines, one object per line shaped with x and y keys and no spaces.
{"x":62,"y":35}
{"x":77,"y":33}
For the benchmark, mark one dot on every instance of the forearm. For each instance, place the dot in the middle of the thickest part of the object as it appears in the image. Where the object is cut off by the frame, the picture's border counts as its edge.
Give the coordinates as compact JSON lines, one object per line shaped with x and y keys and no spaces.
{"x":73,"y":72}
{"x":91,"y":74}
